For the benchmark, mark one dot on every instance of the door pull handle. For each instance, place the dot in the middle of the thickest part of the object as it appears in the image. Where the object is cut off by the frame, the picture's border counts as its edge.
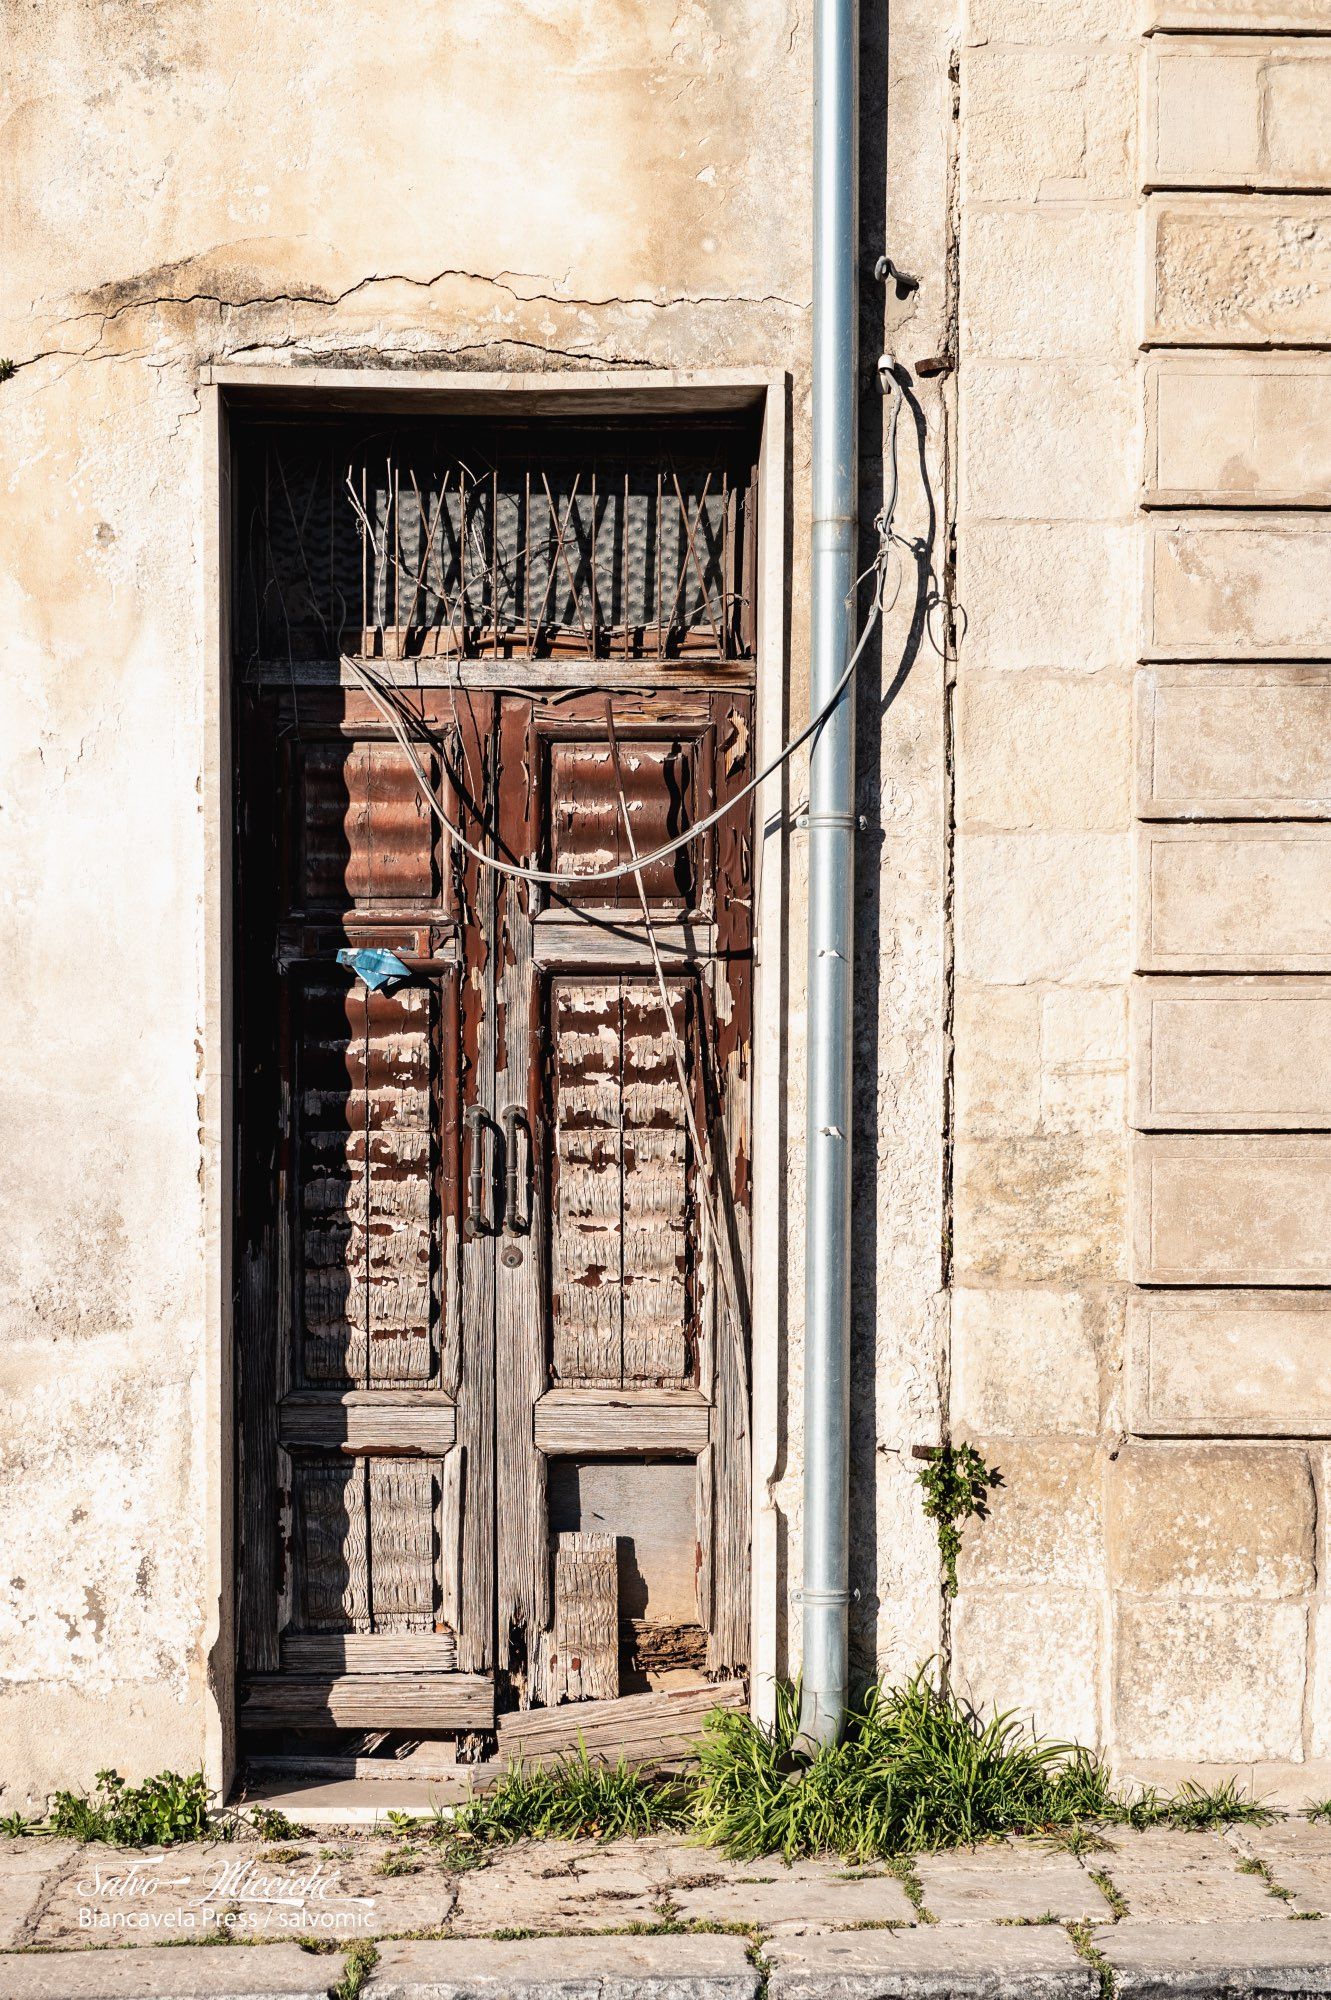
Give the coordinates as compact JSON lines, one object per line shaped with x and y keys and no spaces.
{"x":476,"y":1222}
{"x":517,"y":1218}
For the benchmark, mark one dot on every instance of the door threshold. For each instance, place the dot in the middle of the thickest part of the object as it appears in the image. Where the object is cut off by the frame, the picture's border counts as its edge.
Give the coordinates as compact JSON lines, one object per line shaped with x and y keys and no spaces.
{"x":360,"y":1803}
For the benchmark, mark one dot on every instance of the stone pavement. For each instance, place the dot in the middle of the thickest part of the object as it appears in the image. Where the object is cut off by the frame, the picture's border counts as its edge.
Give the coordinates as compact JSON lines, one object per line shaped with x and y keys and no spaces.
{"x":1144,"y":1915}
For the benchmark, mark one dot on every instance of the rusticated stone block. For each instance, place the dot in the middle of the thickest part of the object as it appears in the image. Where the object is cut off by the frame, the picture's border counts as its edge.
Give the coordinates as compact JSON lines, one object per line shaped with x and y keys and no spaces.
{"x":1024,"y":1362}
{"x":1238,"y":271}
{"x":1234,"y":898}
{"x":1233,"y":742}
{"x":1036,"y":906}
{"x":1236,"y":587}
{"x":1230,"y":1364}
{"x":1031,"y":1210}
{"x":1237,"y":111}
{"x":1045,"y":1524}
{"x":1053,"y":594}
{"x":1208,"y":1680}
{"x":1247,"y":1209}
{"x":1049,"y":284}
{"x":1226,"y":1521}
{"x":1275,"y":17}
{"x":1047,"y":121}
{"x":1048,"y":442}
{"x":1249,"y":430}
{"x":1042,"y":751}
{"x":1034,"y":1651}
{"x":1231,"y":1055}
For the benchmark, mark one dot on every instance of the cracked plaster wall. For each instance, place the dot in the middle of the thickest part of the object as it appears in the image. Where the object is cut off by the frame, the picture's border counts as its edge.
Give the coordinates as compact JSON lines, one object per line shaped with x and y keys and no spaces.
{"x":538,"y":185}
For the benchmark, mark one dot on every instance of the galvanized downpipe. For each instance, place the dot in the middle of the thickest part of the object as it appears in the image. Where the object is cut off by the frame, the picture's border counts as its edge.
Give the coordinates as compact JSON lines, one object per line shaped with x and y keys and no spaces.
{"x":831,"y":834}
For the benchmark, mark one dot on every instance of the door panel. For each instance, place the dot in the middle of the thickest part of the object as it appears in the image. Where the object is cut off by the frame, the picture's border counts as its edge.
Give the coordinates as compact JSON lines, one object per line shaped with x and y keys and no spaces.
{"x":358,"y":1296}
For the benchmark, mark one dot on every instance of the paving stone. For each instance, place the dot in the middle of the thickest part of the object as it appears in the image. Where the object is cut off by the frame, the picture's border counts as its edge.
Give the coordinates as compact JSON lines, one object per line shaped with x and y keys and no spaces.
{"x":1298,"y":1855}
{"x":245,"y":1889}
{"x":788,"y":1901}
{"x":551,"y":1887}
{"x":1188,"y":1878}
{"x":603,"y":1968}
{"x":26,"y":1866}
{"x":988,"y":1884}
{"x":213,"y":1972}
{"x":1279,"y":1956}
{"x":990,"y":1962}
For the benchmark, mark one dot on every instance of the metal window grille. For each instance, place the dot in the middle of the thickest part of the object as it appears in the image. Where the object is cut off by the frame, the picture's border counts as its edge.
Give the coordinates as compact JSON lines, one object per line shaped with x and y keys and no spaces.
{"x":495,"y":542}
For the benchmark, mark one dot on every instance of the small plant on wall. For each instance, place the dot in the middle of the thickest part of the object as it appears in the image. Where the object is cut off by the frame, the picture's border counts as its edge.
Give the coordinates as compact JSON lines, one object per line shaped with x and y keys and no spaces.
{"x":956,"y":1484}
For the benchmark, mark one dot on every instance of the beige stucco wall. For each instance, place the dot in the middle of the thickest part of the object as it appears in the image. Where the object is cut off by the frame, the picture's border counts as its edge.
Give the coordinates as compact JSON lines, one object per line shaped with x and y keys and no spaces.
{"x":1072,"y":836}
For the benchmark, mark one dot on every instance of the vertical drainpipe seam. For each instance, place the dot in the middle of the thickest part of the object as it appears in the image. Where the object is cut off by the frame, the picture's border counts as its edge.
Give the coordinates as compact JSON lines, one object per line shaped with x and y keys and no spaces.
{"x":831,"y":830}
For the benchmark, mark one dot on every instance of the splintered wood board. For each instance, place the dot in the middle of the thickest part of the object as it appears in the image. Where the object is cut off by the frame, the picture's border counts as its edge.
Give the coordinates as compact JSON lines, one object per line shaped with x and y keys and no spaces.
{"x":336,"y":1653}
{"x":368,"y":1701}
{"x":641,"y":1728}
{"x":622,"y":1422}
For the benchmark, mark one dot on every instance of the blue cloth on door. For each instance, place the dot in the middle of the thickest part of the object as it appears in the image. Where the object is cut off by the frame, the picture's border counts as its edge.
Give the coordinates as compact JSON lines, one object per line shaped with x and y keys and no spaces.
{"x":376,"y":968}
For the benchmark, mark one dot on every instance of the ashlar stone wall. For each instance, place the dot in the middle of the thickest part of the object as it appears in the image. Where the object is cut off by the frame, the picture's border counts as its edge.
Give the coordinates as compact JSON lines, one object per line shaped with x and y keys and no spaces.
{"x":1143,"y":855}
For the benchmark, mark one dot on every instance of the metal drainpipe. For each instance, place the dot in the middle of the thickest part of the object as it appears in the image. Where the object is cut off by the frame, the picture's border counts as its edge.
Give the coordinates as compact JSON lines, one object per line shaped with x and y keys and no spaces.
{"x":831,"y":832}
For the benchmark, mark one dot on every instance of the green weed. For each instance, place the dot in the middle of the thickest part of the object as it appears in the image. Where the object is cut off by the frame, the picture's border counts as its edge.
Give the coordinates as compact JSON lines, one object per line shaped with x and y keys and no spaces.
{"x":956,"y":1484}
{"x":573,"y":1799}
{"x":270,"y":1824}
{"x":359,"y":1963}
{"x":16,"y":1824}
{"x":156,"y":1813}
{"x":917,"y":1768}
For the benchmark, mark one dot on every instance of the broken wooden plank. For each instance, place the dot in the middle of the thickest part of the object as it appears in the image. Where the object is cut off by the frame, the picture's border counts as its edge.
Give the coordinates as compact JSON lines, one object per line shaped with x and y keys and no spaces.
{"x":622,"y":1422}
{"x":406,"y":1423}
{"x":584,"y":1664}
{"x":334,"y":1653}
{"x":366,"y":1701}
{"x":642,"y":1728}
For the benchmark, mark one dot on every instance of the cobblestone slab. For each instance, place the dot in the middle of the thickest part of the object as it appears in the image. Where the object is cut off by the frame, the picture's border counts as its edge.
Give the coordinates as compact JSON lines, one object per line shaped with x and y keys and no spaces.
{"x":1186,"y":1878}
{"x":211,"y":1972}
{"x":789,"y":1900}
{"x":620,"y":1968}
{"x":558,"y":1888}
{"x":979,"y":1961}
{"x":1298,"y":1855}
{"x":1279,"y":1956}
{"x":985,"y":1884}
{"x":26,"y":1868}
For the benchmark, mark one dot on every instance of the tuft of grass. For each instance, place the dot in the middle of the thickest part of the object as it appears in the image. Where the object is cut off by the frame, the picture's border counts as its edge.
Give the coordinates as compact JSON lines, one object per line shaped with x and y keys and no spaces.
{"x":1318,"y":1809}
{"x":917,"y":1768}
{"x":1113,"y":1895}
{"x":573,"y":1799}
{"x":359,"y":1963}
{"x":157,"y":1813}
{"x":1197,"y":1808}
{"x":14,"y":1825}
{"x":1083,"y":1943}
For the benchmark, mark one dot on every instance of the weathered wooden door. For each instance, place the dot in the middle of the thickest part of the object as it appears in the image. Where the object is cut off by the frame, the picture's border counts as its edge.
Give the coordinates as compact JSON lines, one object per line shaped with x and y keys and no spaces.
{"x":365,"y":1308}
{"x":622,"y":1101}
{"x":492,"y":1217}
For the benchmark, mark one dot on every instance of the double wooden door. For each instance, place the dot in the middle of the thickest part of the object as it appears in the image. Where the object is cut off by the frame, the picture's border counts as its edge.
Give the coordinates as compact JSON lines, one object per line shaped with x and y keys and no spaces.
{"x":492,"y":1216}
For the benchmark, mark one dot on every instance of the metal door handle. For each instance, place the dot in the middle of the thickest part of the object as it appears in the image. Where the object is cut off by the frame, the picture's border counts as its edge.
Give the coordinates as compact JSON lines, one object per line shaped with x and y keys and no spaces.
{"x":514,"y":1120}
{"x":476,"y":1221}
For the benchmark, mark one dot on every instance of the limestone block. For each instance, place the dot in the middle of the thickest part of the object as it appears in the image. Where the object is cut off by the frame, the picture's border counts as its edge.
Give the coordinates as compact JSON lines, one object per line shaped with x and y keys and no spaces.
{"x":1237,"y":111}
{"x":1214,"y":1520}
{"x":1236,"y":586}
{"x":1047,"y":441}
{"x":1045,"y":1524}
{"x":1246,"y":1209}
{"x":1009,"y":1883}
{"x":1230,"y":1364}
{"x":1046,"y":21}
{"x":1042,"y":751}
{"x":1024,"y":1362}
{"x":931,"y":1959}
{"x":1049,"y":283}
{"x":1209,"y":1680}
{"x":1218,"y":1055}
{"x":1296,"y":1851}
{"x":1055,"y":594}
{"x":996,"y":1040}
{"x":1027,"y":1211}
{"x":1033,"y":1651}
{"x":1233,"y":898}
{"x":1251,"y":430}
{"x":1083,"y":1060}
{"x":1047,"y":122}
{"x":1238,"y":271}
{"x":1034,"y":906}
{"x":1273,"y":17}
{"x":1233,"y":742}
{"x":1182,"y":1878}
